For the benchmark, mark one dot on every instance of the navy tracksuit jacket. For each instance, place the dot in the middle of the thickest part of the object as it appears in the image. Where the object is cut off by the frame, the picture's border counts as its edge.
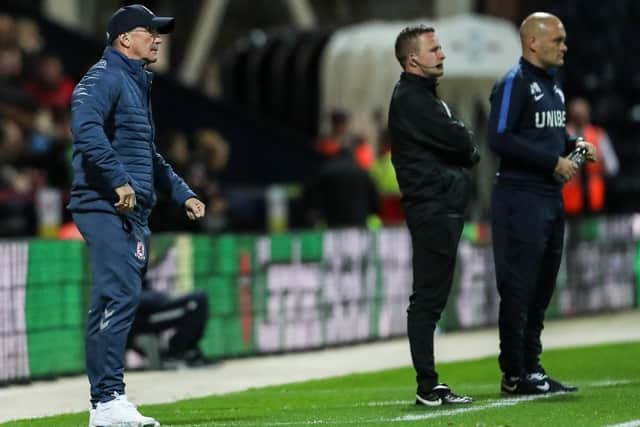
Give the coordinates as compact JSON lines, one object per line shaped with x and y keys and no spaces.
{"x":527,"y":131}
{"x":113,"y":133}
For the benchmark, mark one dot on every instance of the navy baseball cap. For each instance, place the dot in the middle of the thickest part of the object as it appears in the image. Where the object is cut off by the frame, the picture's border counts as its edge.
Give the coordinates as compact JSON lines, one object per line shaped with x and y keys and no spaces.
{"x":129,"y":17}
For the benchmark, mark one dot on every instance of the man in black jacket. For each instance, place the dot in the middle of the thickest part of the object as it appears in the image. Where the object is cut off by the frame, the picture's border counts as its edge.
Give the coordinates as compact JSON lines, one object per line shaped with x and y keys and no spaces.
{"x":432,"y":152}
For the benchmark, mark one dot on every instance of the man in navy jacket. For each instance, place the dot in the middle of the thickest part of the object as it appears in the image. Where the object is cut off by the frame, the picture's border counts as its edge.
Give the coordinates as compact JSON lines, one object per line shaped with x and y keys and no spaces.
{"x":116,"y":172}
{"x":527,"y":131}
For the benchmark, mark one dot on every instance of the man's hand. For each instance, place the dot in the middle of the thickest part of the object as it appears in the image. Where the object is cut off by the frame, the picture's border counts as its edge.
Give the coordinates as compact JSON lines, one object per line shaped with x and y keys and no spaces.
{"x":592,"y":154}
{"x":126,"y":199}
{"x":566,"y":168}
{"x":195,"y":208}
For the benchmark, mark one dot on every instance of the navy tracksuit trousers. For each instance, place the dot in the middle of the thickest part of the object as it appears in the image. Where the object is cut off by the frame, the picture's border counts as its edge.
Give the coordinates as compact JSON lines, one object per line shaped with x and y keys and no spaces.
{"x":118,"y":248}
{"x":528,"y":230}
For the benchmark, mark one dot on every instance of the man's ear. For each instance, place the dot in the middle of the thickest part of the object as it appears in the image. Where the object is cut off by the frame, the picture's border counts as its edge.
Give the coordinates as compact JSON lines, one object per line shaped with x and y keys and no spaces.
{"x":124,"y":40}
{"x":531,"y":44}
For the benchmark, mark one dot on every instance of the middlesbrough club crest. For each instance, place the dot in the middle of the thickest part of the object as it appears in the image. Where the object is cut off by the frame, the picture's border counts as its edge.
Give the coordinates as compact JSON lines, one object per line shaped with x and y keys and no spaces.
{"x":140,"y":251}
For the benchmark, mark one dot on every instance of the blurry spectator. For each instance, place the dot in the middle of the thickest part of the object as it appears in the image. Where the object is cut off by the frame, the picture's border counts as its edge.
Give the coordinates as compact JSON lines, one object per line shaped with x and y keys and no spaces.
{"x":384,"y":176}
{"x":11,"y":141}
{"x":7,"y":31}
{"x":167,"y":216}
{"x":201,"y":171}
{"x":28,"y":37}
{"x":10,"y":65}
{"x":15,"y":175}
{"x":214,"y":148}
{"x":16,"y":217}
{"x":341,"y":136}
{"x":57,"y":146}
{"x":14,"y":101}
{"x":177,"y":152}
{"x":342,"y":194}
{"x":586,"y":191}
{"x":212,"y":157}
{"x":383,"y":173}
{"x":49,"y":86}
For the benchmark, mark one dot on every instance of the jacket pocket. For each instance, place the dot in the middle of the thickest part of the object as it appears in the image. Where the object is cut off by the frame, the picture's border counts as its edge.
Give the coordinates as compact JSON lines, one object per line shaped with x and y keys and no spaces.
{"x":458,"y":192}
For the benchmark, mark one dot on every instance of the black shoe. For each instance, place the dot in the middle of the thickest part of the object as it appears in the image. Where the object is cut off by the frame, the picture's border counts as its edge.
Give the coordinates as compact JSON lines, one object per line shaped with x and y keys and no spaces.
{"x":441,"y":395}
{"x":534,"y":383}
{"x":552,"y":385}
{"x":519,"y":386}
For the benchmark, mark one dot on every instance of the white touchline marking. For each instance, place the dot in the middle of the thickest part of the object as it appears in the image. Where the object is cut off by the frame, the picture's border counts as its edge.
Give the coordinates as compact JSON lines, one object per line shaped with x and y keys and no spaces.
{"x":310,"y":422}
{"x":632,"y":423}
{"x":499,"y":403}
{"x":417,"y":417}
{"x":603,"y":383}
{"x":608,"y":383}
{"x":495,"y":404}
{"x":388,"y":403}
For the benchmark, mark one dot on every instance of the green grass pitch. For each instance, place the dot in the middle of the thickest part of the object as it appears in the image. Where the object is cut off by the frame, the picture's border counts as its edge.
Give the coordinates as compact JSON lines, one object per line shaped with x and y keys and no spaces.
{"x":608,"y":377}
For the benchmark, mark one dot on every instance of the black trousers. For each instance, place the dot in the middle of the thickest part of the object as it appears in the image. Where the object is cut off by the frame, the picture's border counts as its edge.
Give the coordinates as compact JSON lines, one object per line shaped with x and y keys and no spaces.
{"x":187,"y":314}
{"x":435,"y":244}
{"x":528,"y":231}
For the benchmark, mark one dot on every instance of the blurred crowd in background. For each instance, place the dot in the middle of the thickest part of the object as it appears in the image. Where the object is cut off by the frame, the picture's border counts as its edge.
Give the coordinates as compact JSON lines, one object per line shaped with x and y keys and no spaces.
{"x":35,"y":138}
{"x":350,"y":180}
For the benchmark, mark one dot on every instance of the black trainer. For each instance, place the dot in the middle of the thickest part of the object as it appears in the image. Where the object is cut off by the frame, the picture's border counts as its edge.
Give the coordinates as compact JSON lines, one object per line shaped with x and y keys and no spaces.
{"x":517,"y":385}
{"x":549,"y":383}
{"x":441,"y":395}
{"x":533,"y":383}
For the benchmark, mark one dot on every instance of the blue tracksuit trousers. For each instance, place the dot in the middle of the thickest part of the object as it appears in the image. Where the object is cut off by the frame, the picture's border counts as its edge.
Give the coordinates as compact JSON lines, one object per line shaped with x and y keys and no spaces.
{"x":528,"y":230}
{"x":118,"y":248}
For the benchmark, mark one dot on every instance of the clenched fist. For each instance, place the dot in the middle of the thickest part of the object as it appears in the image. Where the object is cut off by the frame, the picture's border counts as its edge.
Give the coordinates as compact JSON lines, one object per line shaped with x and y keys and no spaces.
{"x":195,"y":208}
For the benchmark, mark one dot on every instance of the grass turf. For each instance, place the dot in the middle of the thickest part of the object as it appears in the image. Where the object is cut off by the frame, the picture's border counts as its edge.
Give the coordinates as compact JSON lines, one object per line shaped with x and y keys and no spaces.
{"x":608,"y":377}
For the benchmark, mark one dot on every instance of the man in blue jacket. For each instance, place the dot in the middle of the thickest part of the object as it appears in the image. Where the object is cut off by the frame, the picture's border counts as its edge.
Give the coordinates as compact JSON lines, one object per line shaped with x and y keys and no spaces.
{"x":527,"y":131}
{"x":116,"y":172}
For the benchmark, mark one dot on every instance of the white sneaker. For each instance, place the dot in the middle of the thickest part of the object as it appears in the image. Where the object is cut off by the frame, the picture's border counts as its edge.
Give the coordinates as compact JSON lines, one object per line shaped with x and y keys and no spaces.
{"x":119,"y":412}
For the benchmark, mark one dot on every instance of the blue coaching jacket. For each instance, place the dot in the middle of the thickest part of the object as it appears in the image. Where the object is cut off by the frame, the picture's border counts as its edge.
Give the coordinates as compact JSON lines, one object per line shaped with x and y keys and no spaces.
{"x":113,"y":139}
{"x":527,"y":126}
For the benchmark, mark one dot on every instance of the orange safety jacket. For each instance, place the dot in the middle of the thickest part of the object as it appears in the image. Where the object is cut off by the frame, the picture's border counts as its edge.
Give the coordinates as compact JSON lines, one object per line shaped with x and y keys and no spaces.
{"x":573,"y":193}
{"x":363,"y":152}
